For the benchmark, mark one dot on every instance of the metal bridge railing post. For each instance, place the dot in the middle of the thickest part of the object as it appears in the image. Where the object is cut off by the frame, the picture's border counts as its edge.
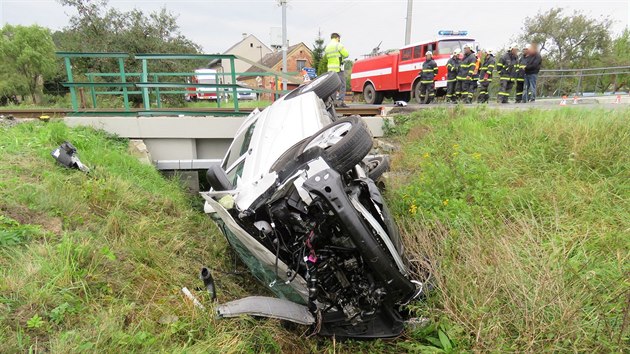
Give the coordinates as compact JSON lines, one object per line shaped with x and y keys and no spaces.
{"x":73,"y":93}
{"x":233,"y":74}
{"x":158,"y":100}
{"x":145,"y":90}
{"x":92,"y":90}
{"x":123,"y":79}
{"x":216,"y":81}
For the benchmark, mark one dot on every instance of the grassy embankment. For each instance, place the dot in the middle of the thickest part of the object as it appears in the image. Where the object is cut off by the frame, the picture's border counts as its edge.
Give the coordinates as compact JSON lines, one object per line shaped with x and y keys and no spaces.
{"x":523,"y":218}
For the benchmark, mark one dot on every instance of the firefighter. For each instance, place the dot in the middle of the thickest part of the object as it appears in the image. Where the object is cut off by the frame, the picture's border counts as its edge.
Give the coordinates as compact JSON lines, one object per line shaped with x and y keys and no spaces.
{"x":520,"y":74}
{"x":474,"y":83}
{"x":507,"y":73}
{"x":464,"y":75}
{"x":451,"y":76}
{"x":335,"y":55}
{"x":485,"y":75}
{"x":427,"y":79}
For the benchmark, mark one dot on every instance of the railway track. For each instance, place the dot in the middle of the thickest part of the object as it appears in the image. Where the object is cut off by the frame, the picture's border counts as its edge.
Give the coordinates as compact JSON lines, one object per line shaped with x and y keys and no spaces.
{"x":362,"y":110}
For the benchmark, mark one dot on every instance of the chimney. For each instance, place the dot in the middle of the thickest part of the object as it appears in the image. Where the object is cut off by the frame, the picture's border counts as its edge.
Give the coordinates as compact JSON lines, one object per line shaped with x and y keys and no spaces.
{"x":244,"y":35}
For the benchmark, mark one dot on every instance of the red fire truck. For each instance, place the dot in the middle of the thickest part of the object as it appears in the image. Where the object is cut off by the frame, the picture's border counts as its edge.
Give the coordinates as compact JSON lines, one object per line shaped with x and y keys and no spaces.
{"x":395,"y":75}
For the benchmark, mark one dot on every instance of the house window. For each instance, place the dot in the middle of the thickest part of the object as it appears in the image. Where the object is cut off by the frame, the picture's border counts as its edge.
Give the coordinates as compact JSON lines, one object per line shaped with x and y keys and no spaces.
{"x":301,"y":64}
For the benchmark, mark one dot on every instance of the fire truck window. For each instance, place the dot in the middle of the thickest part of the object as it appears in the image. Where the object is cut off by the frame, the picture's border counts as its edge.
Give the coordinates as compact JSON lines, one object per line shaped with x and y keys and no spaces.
{"x":431,"y":47}
{"x":406,"y":54}
{"x":447,"y":47}
{"x":417,"y":52}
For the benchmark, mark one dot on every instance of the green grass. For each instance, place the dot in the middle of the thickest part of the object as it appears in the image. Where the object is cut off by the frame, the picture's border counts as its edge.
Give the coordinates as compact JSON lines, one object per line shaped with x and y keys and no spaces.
{"x":96,"y":262}
{"x":522,"y":218}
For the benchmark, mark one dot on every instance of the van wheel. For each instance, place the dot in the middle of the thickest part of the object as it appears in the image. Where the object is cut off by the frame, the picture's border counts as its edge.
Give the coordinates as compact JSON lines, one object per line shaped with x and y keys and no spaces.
{"x":372,"y":96}
{"x":345,"y":143}
{"x":324,"y":86}
{"x":376,"y":166}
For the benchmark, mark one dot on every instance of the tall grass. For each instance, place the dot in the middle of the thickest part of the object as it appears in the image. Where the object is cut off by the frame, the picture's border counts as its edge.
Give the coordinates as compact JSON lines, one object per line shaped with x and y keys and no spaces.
{"x":96,"y":262}
{"x":523,"y":219}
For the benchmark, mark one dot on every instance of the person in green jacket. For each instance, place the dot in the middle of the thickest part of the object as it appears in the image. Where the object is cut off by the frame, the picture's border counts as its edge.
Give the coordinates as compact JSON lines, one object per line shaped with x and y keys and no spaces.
{"x":336,"y":53}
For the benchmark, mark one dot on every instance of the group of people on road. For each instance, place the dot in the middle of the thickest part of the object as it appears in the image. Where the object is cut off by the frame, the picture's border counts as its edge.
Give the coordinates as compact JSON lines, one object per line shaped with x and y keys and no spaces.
{"x":467,"y":72}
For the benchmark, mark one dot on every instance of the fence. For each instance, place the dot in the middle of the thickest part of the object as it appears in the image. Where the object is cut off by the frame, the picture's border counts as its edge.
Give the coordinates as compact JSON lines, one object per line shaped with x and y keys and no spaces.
{"x":585,"y":81}
{"x":148,"y":83}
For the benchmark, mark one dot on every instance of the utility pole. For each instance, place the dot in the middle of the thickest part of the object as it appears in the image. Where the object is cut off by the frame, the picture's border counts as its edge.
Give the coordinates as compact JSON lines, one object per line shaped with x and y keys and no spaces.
{"x":409,"y":15}
{"x":283,"y":3}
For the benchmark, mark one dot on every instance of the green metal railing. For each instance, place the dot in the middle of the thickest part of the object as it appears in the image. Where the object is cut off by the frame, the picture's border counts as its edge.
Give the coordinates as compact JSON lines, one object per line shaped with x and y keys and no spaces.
{"x":144,"y":86}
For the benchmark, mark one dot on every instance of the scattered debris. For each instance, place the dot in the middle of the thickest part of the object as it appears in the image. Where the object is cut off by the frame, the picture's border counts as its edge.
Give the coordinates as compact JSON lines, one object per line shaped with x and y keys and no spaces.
{"x":192,"y":298}
{"x":65,"y":154}
{"x":208,"y":282}
{"x":8,"y":120}
{"x":400,"y":104}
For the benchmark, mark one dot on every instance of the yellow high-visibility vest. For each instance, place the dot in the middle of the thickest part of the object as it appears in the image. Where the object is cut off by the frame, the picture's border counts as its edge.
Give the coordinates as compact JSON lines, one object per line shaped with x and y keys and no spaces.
{"x":335,"y":54}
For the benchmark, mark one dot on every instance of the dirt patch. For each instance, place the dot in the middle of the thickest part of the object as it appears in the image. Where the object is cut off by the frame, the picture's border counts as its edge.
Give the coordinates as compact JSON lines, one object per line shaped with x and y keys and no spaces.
{"x":23,"y":215}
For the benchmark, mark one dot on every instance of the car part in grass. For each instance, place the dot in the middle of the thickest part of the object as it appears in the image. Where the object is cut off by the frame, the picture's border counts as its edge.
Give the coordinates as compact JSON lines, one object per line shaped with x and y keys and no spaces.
{"x":66,"y":155}
{"x":208,"y":282}
{"x":267,"y":307}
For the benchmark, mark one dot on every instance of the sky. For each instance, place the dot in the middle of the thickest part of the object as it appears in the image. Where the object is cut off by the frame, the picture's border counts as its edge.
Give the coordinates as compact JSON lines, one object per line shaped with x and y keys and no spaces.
{"x":218,"y":24}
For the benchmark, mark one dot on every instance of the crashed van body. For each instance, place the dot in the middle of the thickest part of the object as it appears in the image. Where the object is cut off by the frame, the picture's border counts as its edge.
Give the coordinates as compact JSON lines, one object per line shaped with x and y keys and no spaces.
{"x":296,"y":199}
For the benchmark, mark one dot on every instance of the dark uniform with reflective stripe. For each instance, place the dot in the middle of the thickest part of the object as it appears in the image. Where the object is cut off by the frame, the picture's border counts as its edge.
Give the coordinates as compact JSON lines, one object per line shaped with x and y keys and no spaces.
{"x":520,"y":77}
{"x":485,"y":78}
{"x":427,"y":77}
{"x":464,"y":77}
{"x":452,"y":66}
{"x":507,"y":74}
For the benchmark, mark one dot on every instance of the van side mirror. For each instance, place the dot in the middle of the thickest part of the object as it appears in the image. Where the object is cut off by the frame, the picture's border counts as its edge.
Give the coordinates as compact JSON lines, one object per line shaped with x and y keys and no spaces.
{"x":218,"y":179}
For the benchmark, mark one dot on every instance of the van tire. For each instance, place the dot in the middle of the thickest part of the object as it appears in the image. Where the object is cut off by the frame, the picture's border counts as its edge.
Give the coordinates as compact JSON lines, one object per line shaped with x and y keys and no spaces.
{"x":324,"y":86}
{"x":354,"y":145}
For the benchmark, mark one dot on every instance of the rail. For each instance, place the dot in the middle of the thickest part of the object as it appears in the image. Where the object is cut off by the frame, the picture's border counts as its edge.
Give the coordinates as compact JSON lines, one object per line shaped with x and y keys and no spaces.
{"x":583,"y":81}
{"x":149,"y":82}
{"x":362,"y":110}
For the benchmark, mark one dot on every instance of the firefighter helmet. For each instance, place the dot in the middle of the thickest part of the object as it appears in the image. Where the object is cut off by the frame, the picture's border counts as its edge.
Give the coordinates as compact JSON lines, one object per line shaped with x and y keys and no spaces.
{"x":514,"y":46}
{"x":429,"y":53}
{"x":490,"y":51}
{"x":457,"y":51}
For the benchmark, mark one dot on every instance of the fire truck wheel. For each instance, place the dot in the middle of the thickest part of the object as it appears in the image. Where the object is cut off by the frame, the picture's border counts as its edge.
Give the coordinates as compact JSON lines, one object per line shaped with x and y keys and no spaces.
{"x":371,"y":96}
{"x":418,"y":94}
{"x":324,"y":86}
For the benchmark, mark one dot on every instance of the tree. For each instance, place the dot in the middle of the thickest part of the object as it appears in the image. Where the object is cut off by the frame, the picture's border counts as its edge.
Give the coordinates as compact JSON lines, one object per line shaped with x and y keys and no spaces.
{"x":27,"y":57}
{"x":98,"y":28}
{"x":568,"y":41}
{"x":318,"y":51}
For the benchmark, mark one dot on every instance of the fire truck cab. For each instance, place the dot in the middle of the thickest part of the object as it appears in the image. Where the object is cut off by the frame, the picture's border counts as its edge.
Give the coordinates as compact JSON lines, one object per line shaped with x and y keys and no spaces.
{"x":395,"y":75}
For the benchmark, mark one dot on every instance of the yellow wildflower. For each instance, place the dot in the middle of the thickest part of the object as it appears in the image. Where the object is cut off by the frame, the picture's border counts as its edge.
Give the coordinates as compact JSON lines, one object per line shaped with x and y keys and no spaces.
{"x":445,"y":202}
{"x":456,"y":146}
{"x":426,"y":155}
{"x":476,"y":156}
{"x":413,"y":209}
{"x":455,"y":153}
